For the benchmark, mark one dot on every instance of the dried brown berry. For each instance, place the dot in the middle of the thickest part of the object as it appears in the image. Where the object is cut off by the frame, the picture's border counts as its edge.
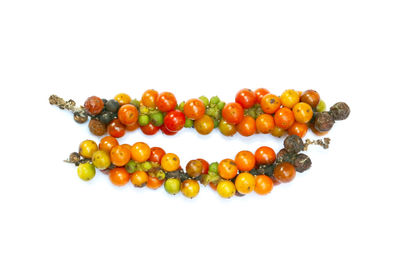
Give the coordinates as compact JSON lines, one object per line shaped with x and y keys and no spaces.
{"x":80,"y":117}
{"x":340,"y":111}
{"x":94,"y":105}
{"x":302,"y":162}
{"x":96,"y":127}
{"x":293,"y":144}
{"x":74,"y":157}
{"x":323,"y":121}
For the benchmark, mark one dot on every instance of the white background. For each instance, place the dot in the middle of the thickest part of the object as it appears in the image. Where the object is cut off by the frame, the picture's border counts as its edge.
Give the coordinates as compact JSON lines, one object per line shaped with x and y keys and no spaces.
{"x":343,"y":212}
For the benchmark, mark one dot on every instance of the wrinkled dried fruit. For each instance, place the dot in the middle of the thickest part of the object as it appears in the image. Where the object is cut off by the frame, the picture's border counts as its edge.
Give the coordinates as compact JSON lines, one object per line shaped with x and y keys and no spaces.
{"x":340,"y":111}
{"x":323,"y":121}
{"x":96,"y":127}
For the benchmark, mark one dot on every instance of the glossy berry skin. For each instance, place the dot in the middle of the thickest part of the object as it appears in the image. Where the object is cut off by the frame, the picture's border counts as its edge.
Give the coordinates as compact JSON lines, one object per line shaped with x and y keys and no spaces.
{"x":132,"y":127}
{"x":94,"y":105}
{"x":86,"y":171}
{"x":265,"y":123}
{"x":123,"y":99}
{"x":265,"y":155}
{"x":310,"y":97}
{"x":101,"y":160}
{"x":245,"y":160}
{"x":247,"y":126}
{"x":170,"y":162}
{"x":205,"y":166}
{"x":149,"y":98}
{"x":120,"y":155}
{"x":190,"y":188}
{"x":245,"y":183}
{"x":270,"y":103}
{"x":302,"y":112}
{"x":227,"y":169}
{"x":284,"y":118}
{"x":156,"y":154}
{"x":149,"y":129}
{"x":140,"y":152}
{"x":246,"y":98}
{"x":139,"y":178}
{"x":299,"y":129}
{"x":154,"y":182}
{"x":194,"y":168}
{"x":260,"y":93}
{"x":227,"y":128}
{"x":204,"y":125}
{"x":278,"y":132}
{"x":289,"y":98}
{"x":194,"y":109}
{"x":119,"y":176}
{"x":174,"y":120}
{"x":116,"y":128}
{"x":284,"y":172}
{"x":128,"y":114}
{"x":172,"y":186}
{"x":166,"y":101}
{"x":264,"y":185}
{"x":108,"y":142}
{"x":233,"y":113}
{"x":87,"y":148}
{"x":166,"y":131}
{"x":226,"y":189}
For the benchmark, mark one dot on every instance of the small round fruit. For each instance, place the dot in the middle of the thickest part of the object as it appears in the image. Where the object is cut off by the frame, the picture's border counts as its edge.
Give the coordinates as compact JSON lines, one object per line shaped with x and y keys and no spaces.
{"x":247,"y":126}
{"x":233,"y":113}
{"x":284,"y":118}
{"x":205,"y":166}
{"x":119,"y":176}
{"x":149,"y":98}
{"x":149,"y":129}
{"x":116,"y":128}
{"x":299,"y":129}
{"x":278,"y":132}
{"x":227,"y":169}
{"x":245,"y":183}
{"x":289,"y":98}
{"x":270,"y":103}
{"x":226,"y":189}
{"x":112,"y":105}
{"x":87,"y":148}
{"x":123,"y":99}
{"x":194,"y":168}
{"x":101,"y":160}
{"x":139,"y":178}
{"x":166,"y":101}
{"x":154,"y":182}
{"x":156,"y":154}
{"x":172,"y":186}
{"x":264,"y":185}
{"x":310,"y":97}
{"x":165,"y":131}
{"x":157,"y":119}
{"x":132,"y":127}
{"x":303,"y":112}
{"x":265,"y":123}
{"x":260,"y":93}
{"x":194,"y":109}
{"x":108,"y":142}
{"x":96,"y":127}
{"x":204,"y":125}
{"x":94,"y":105}
{"x":174,"y":120}
{"x":213,"y":168}
{"x":245,"y":161}
{"x":140,"y":152}
{"x":128,"y":114}
{"x":120,"y":155}
{"x":131,"y":166}
{"x":265,"y":155}
{"x":190,"y":188}
{"x":143,"y":120}
{"x":321,"y":107}
{"x":86,"y":171}
{"x":284,"y":172}
{"x":170,"y":162}
{"x":227,"y":128}
{"x":246,"y":98}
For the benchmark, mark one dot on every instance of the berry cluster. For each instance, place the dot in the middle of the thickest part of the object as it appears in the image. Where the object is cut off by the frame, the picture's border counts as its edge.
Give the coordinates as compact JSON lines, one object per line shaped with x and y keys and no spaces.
{"x":258,"y":111}
{"x":153,"y":167}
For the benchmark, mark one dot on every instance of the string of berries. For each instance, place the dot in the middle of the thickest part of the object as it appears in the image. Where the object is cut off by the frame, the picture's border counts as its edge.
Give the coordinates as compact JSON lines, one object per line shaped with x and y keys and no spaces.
{"x":153,"y":167}
{"x":259,"y":111}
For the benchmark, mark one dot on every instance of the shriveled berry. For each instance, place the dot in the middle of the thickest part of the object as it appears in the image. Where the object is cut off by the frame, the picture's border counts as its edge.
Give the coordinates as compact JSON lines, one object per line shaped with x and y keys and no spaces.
{"x":80,"y":117}
{"x":96,"y":127}
{"x":302,"y":162}
{"x":323,"y":121}
{"x":340,"y":111}
{"x":106,"y":117}
{"x":74,"y":157}
{"x":94,"y":105}
{"x":293,"y":144}
{"x":112,"y":105}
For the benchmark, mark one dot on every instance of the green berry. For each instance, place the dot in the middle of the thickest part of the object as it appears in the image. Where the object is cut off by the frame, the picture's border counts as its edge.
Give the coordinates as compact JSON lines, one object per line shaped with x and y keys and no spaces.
{"x":221,"y":105}
{"x":136,"y":103}
{"x":131,"y":166}
{"x":86,"y":171}
{"x":181,"y":106}
{"x":213,"y":168}
{"x":321,"y":106}
{"x":188,"y":123}
{"x":157,"y":118}
{"x":214,"y":100}
{"x":205,"y":100}
{"x":145,"y":166}
{"x":172,"y":186}
{"x":144,"y":120}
